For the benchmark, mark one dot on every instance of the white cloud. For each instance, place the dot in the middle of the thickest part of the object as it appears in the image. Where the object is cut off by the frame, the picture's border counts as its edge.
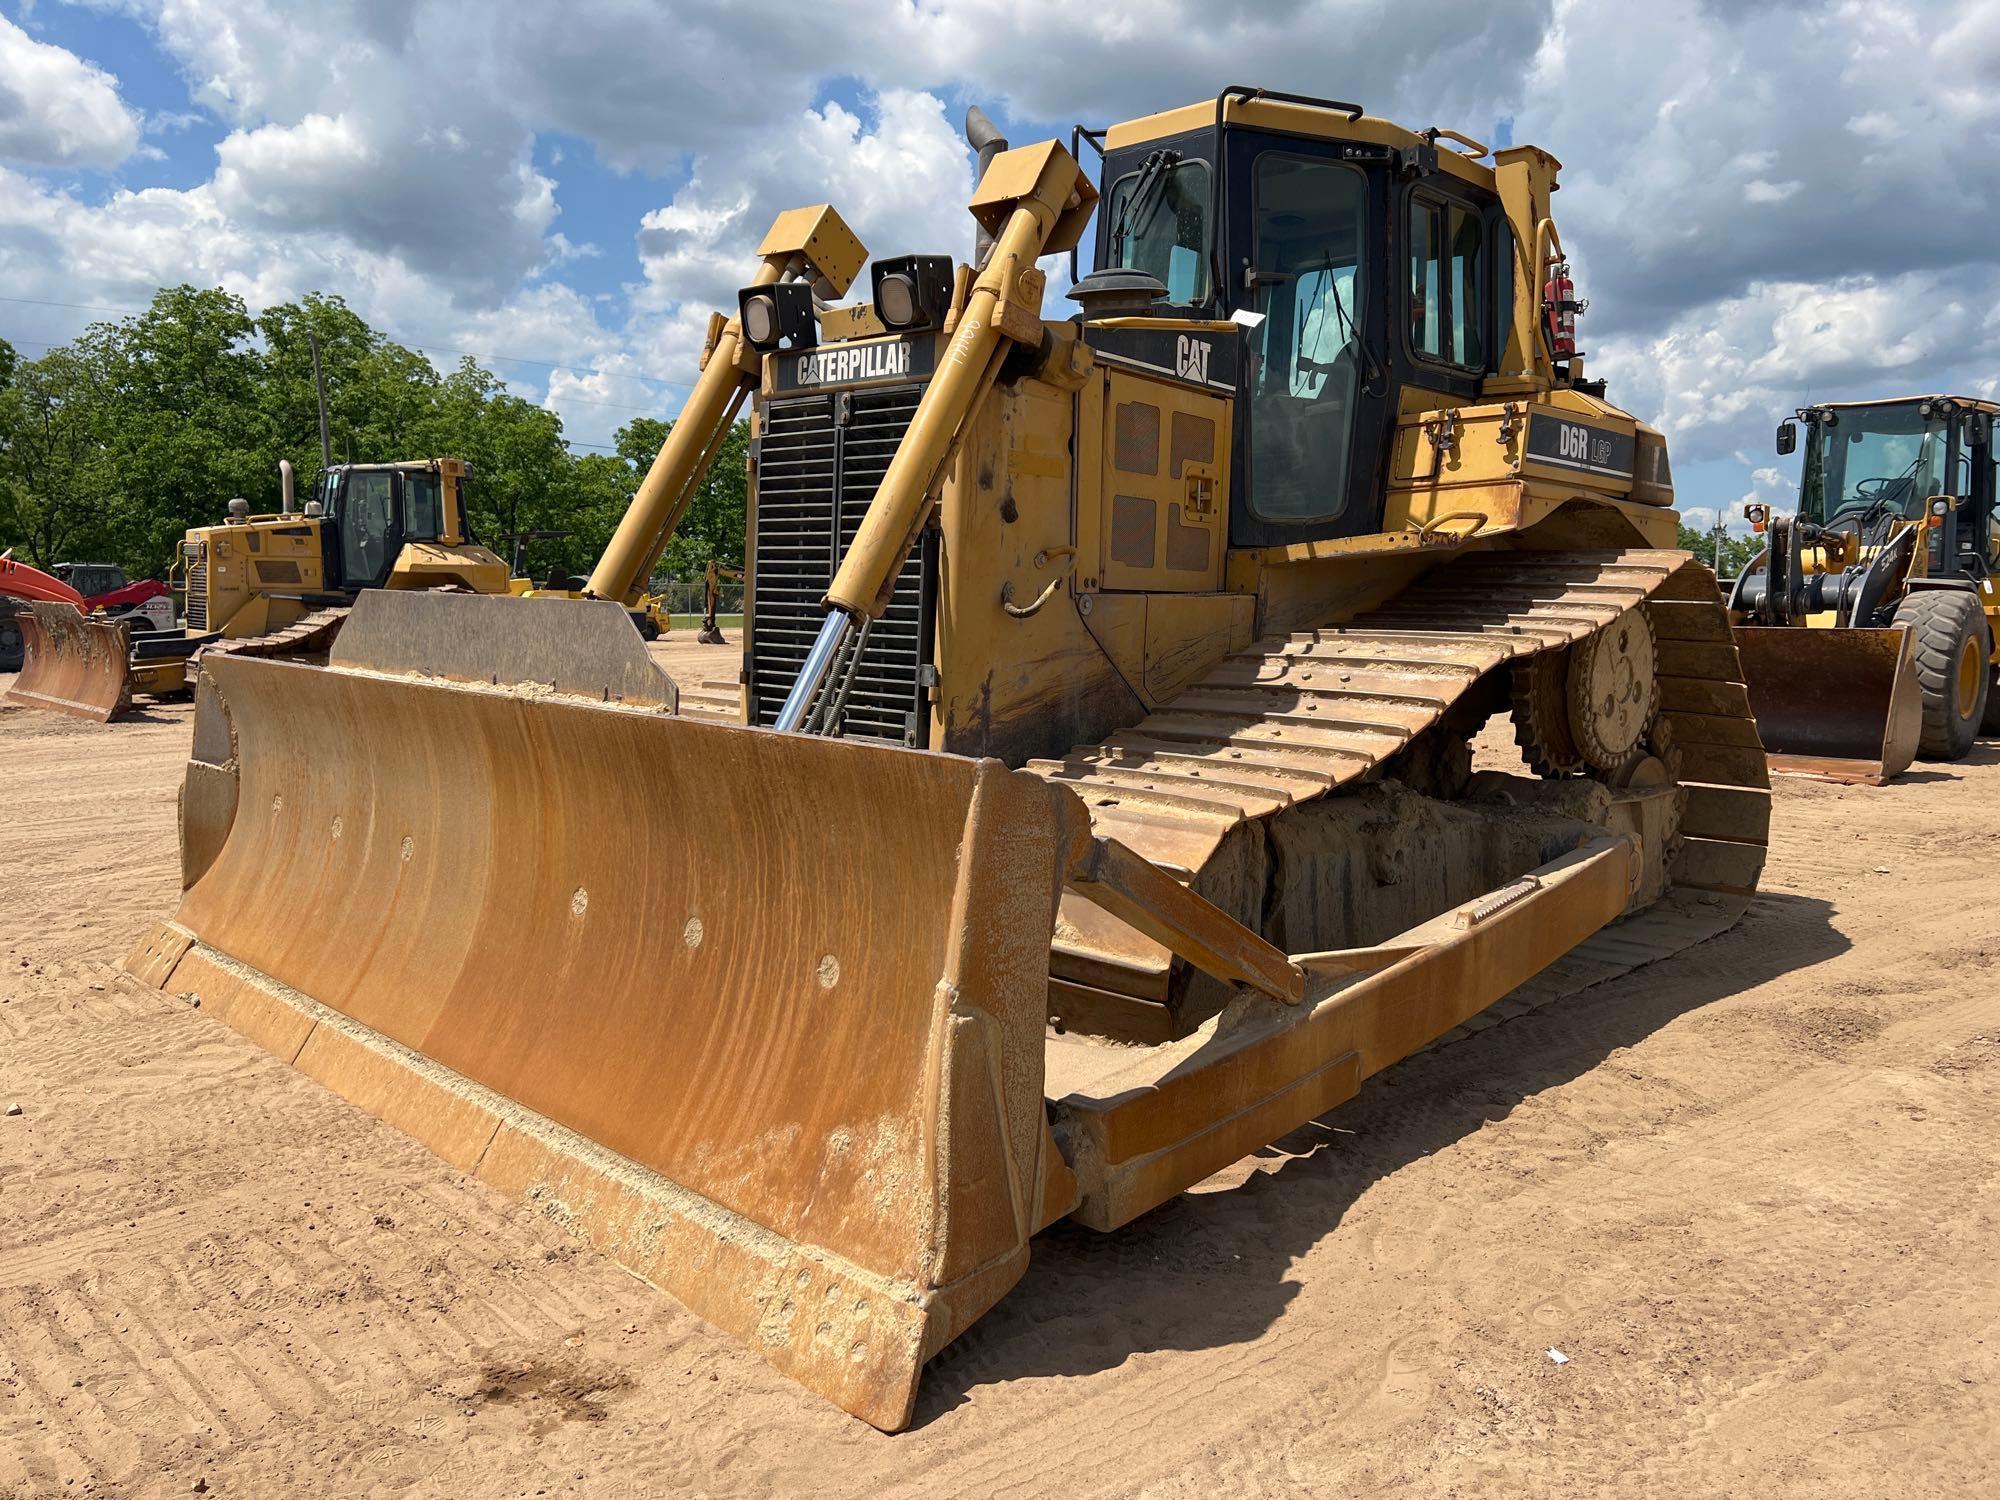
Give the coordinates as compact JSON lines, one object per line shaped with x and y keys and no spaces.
{"x":901,"y":185}
{"x":1741,"y":196}
{"x":56,"y":109}
{"x":1723,"y":373}
{"x":1757,"y":190}
{"x":1878,"y":126}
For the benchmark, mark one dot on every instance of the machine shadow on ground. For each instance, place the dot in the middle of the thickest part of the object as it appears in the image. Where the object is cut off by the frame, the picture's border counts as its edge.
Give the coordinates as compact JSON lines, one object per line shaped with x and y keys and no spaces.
{"x":1214,"y":1269}
{"x":1985,"y":753}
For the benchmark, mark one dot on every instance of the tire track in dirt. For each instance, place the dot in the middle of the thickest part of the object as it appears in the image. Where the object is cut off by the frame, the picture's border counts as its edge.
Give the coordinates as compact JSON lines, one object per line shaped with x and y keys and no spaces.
{"x":1748,"y":1190}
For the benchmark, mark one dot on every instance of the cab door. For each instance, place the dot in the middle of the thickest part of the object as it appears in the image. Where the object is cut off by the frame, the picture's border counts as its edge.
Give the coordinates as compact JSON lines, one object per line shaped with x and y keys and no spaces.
{"x":367,"y":524}
{"x":1304,"y":228}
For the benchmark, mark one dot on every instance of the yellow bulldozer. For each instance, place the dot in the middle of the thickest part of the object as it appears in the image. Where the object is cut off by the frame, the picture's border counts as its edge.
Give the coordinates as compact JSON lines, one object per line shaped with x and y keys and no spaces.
{"x":1098,"y":789}
{"x":268,"y":585}
{"x":1867,"y":624}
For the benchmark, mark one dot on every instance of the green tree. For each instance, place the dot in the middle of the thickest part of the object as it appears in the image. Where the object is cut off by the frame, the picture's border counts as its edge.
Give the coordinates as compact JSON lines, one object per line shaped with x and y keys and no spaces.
{"x":378,"y":392}
{"x":182,"y":430}
{"x":520,"y":464}
{"x":1738,"y":552}
{"x":52,"y":466}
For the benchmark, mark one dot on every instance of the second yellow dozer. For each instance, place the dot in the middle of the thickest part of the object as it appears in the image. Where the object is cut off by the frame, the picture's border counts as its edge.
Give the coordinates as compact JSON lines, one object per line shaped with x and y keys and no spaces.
{"x":1098,"y":796}
{"x":276,"y":584}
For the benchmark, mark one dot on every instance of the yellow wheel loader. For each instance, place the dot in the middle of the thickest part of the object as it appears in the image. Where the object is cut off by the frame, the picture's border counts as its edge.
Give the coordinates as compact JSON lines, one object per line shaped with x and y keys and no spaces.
{"x":269,"y":585}
{"x":1099,"y":795}
{"x":1867,"y":625}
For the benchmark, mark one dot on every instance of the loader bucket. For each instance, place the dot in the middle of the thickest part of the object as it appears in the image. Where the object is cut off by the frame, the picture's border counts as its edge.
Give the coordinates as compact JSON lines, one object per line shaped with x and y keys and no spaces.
{"x":760,"y":1014}
{"x":1841,"y":705}
{"x":72,"y":663}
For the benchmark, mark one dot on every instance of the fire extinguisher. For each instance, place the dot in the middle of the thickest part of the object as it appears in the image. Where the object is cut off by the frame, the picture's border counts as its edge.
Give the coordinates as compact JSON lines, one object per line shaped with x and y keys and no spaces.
{"x":1559,"y":309}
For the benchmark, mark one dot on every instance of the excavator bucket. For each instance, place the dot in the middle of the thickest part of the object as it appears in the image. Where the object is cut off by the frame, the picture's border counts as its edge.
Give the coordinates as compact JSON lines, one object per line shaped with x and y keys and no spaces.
{"x":759,"y":1013}
{"x":1841,"y":705}
{"x":72,"y":663}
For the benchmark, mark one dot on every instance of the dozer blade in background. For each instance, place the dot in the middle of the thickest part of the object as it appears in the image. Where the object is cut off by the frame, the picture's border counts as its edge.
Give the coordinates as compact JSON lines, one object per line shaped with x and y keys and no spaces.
{"x":762,"y":1014}
{"x":1841,"y":705}
{"x":72,"y":663}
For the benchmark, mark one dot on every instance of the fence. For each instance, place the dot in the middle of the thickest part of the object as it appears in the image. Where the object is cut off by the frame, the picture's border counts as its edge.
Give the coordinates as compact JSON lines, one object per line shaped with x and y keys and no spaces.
{"x":684,"y":595}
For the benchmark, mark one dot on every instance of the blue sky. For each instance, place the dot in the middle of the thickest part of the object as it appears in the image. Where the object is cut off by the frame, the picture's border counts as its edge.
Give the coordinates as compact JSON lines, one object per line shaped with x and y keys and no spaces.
{"x":566,"y":191}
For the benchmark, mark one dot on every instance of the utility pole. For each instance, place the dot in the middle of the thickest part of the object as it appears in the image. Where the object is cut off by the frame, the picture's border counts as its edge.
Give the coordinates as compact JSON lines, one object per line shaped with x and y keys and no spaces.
{"x":319,"y":385}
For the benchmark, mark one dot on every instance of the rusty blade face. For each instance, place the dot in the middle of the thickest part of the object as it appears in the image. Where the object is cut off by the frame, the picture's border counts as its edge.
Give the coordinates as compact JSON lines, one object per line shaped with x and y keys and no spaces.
{"x":72,"y":663}
{"x":797,"y":986}
{"x":1840,"y":704}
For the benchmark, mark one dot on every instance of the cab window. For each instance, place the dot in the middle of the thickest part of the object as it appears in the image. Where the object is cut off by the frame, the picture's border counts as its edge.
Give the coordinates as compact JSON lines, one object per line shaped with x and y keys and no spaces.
{"x":1159,"y":225}
{"x":1447,"y":281}
{"x":422,"y":518}
{"x":1989,"y":521}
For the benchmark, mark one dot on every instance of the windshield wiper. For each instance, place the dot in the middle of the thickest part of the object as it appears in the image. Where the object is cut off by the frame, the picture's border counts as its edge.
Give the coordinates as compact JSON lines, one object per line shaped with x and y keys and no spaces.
{"x":1371,"y":369}
{"x":1152,"y":179}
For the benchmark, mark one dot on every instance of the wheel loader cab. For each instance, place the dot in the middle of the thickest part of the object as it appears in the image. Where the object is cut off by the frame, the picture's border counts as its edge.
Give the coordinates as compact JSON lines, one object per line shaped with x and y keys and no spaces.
{"x":1867,"y":460}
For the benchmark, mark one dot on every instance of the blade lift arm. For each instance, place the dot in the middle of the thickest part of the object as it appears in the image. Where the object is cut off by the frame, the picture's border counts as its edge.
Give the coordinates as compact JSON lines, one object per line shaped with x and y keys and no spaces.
{"x":1036,"y":200}
{"x":803,"y":242}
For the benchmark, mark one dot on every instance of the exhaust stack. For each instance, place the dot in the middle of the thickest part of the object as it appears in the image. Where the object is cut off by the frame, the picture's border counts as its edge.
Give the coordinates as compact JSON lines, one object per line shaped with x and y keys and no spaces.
{"x":284,"y":486}
{"x":985,"y":138}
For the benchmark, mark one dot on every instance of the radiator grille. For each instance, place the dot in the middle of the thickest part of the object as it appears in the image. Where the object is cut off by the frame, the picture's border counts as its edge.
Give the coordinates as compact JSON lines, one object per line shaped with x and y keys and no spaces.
{"x":197,"y":597}
{"x":821,"y":458}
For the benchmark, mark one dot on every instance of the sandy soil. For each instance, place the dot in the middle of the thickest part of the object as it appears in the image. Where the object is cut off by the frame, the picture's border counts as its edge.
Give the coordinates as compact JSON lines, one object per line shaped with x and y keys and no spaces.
{"x":1752,"y":1193}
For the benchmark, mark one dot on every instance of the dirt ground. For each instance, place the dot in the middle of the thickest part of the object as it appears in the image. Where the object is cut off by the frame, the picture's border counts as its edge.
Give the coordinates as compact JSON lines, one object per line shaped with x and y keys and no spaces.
{"x":1752,"y":1193}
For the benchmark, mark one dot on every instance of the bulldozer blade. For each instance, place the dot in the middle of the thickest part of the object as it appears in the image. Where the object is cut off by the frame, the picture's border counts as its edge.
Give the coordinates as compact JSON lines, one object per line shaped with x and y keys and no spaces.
{"x":72,"y":663}
{"x":579,"y":647}
{"x":799,"y":1087}
{"x":1840,"y":705}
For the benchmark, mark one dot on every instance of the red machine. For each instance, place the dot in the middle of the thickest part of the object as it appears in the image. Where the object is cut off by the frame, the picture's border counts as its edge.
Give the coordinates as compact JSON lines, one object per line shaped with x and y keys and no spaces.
{"x":99,"y":589}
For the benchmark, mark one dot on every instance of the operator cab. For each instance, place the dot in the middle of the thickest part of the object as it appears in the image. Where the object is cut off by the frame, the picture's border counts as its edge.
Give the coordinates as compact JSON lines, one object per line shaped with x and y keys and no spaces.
{"x":372,"y":510}
{"x":1364,"y":263}
{"x":1876,"y":462}
{"x":92,"y":580}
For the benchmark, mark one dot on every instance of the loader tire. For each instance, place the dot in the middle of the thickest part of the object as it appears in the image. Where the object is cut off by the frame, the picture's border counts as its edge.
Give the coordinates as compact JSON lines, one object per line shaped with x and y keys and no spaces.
{"x":1954,"y":669}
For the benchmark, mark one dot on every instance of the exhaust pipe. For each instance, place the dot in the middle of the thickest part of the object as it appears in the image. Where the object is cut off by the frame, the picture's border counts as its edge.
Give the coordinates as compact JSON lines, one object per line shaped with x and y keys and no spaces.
{"x":284,"y":486}
{"x":984,"y":137}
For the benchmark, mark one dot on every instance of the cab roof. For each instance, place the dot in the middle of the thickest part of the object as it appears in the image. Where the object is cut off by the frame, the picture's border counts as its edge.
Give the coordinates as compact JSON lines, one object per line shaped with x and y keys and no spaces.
{"x":1977,"y":403}
{"x":1315,"y":119}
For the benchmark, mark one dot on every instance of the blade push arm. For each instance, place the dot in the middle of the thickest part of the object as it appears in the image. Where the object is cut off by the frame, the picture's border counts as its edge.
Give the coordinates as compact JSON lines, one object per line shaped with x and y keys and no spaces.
{"x":810,"y":242}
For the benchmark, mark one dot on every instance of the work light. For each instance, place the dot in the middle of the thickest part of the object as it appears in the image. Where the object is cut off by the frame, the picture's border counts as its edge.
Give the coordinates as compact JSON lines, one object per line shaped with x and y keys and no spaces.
{"x":912,"y":291}
{"x":780,"y":314}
